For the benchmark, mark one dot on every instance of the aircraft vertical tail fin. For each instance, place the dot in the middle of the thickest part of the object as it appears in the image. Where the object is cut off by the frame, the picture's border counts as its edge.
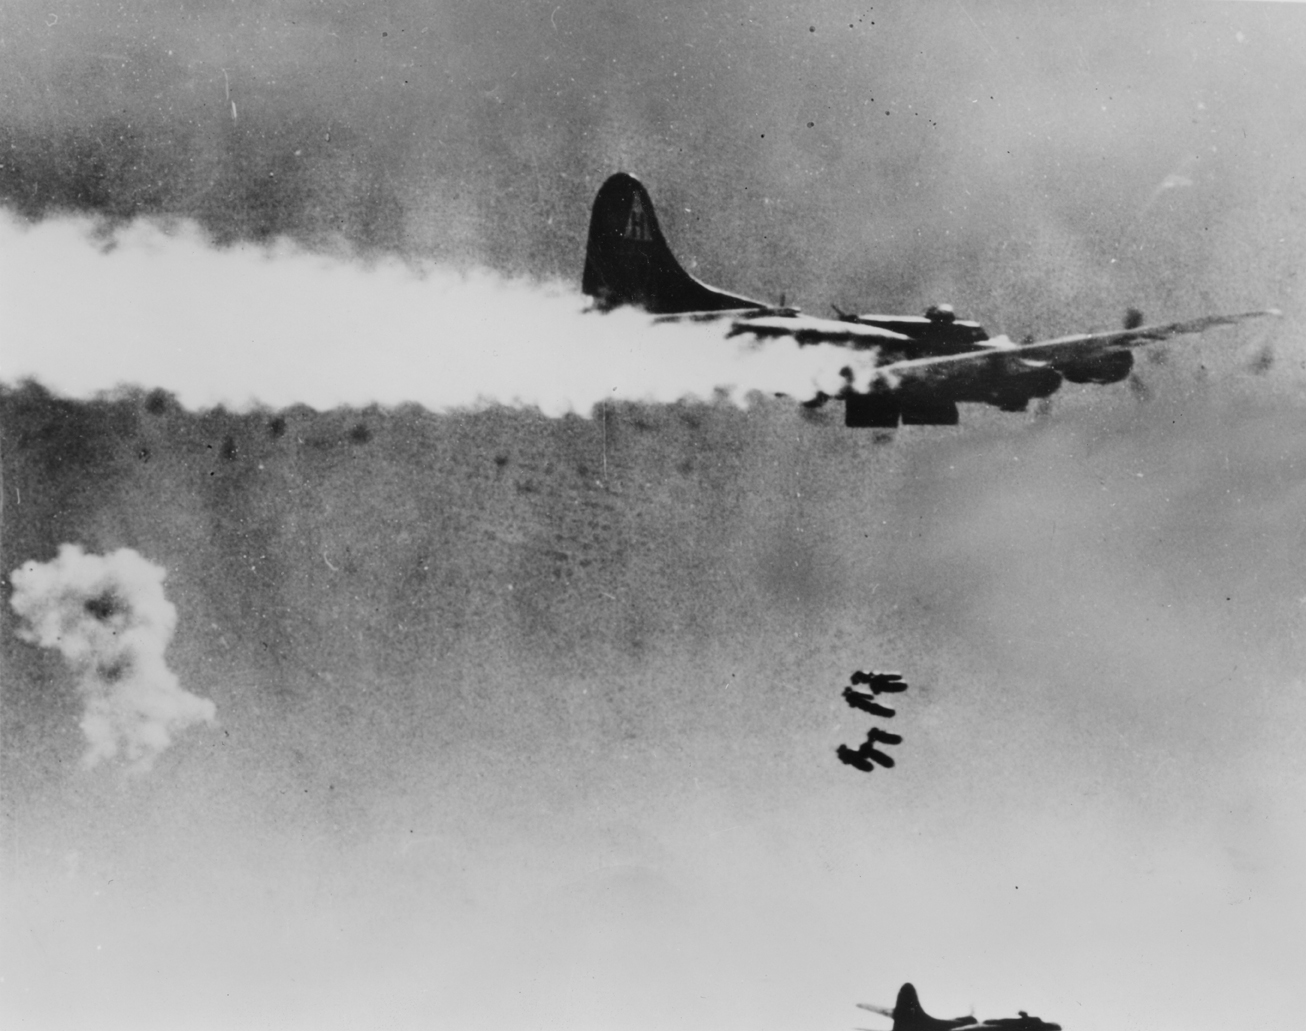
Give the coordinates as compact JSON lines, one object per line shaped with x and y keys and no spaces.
{"x":908,"y":1014}
{"x":628,"y":260}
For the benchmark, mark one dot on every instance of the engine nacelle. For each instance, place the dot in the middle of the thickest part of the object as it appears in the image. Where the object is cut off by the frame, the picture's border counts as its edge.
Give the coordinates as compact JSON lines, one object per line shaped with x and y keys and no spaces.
{"x":879,"y":410}
{"x":929,"y":411}
{"x":883,"y":410}
{"x":1111,"y":367}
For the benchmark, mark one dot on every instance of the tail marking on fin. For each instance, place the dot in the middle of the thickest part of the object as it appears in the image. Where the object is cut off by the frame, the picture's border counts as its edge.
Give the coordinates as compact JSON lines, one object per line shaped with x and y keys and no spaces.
{"x":628,"y":260}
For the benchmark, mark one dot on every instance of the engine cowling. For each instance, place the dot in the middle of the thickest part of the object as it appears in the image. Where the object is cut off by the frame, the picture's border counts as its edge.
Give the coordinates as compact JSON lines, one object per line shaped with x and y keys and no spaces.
{"x":1103,"y":368}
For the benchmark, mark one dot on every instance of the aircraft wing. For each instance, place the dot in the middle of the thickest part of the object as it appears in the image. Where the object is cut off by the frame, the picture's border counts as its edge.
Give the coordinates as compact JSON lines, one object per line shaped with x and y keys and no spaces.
{"x":1087,"y":344}
{"x":771,"y":323}
{"x":1061,"y":349}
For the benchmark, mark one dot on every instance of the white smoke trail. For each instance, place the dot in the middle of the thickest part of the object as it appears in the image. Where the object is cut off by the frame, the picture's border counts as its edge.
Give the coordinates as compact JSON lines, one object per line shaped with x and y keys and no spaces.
{"x":108,"y":617}
{"x":281,"y":327}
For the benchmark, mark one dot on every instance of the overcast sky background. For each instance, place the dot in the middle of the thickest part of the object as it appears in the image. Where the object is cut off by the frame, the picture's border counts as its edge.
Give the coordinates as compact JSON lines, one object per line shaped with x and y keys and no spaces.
{"x":528,"y":721}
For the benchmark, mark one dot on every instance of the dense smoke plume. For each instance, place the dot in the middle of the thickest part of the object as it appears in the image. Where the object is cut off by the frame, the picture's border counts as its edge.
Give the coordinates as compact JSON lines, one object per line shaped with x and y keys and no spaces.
{"x":288,"y":327}
{"x":107,"y":616}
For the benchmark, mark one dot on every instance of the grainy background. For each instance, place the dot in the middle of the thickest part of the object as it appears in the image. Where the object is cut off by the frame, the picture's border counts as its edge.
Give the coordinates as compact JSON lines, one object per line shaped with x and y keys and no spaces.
{"x":528,"y":721}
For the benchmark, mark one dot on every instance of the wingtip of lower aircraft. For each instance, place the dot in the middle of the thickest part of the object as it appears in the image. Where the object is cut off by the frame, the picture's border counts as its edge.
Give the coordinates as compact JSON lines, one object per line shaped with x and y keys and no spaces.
{"x":1257,"y":314}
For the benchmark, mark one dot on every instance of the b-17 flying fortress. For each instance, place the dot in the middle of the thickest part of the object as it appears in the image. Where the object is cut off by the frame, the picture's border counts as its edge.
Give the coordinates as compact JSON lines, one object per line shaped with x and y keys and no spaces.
{"x":902,"y":369}
{"x":908,"y":1015}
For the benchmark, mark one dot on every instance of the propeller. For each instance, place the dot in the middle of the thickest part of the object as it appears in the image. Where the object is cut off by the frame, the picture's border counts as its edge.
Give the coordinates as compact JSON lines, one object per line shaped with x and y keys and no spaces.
{"x":1140,"y":390}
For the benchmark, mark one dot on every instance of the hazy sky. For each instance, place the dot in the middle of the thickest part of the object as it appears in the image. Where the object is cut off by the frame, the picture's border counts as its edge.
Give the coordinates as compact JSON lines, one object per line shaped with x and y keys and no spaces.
{"x":1006,"y":156}
{"x":528,"y":720}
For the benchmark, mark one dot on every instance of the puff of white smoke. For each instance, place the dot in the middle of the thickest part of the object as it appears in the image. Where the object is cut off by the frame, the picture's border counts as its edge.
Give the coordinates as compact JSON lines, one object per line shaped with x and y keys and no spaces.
{"x":108,"y":617}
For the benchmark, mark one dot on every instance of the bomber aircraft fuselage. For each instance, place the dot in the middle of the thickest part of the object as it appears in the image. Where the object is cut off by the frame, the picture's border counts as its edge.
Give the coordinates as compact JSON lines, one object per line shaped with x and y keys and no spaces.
{"x":902,"y":369}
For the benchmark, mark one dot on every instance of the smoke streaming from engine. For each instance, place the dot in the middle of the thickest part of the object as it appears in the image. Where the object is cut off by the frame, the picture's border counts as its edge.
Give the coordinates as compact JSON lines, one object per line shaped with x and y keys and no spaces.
{"x":280,"y":326}
{"x":108,"y":617}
